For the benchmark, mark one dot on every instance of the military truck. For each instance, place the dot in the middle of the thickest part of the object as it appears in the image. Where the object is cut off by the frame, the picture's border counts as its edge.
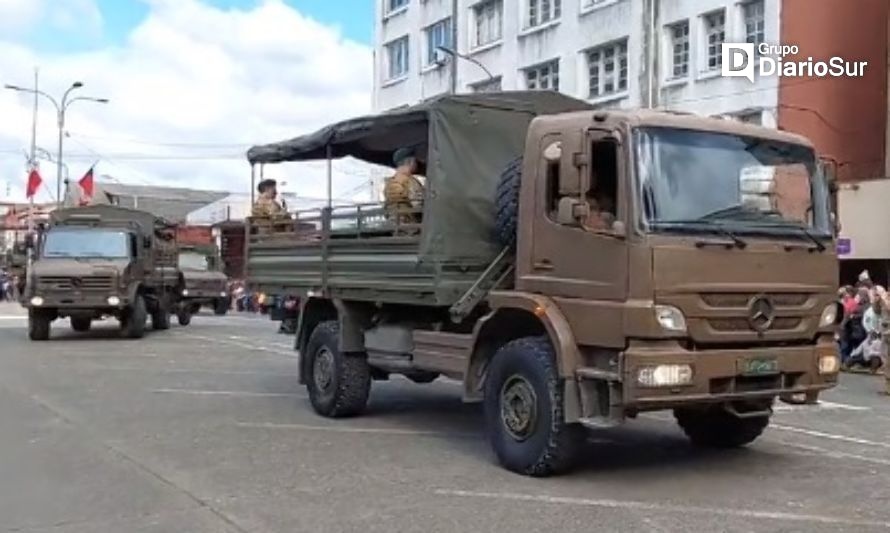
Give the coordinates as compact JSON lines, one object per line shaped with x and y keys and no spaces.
{"x":203,"y":282}
{"x":709,"y":290}
{"x":103,"y":261}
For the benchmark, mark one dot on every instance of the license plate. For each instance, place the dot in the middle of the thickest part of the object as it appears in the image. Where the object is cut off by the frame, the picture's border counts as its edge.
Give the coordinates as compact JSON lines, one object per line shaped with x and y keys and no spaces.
{"x":760,"y":366}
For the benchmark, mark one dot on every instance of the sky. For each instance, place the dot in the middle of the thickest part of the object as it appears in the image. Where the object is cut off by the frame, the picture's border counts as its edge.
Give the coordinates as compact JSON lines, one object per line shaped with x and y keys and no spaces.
{"x":191,"y":85}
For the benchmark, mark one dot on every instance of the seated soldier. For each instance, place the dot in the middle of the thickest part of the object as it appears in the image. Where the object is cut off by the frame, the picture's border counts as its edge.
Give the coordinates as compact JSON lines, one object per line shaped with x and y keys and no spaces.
{"x":267,"y":208}
{"x":403,"y":192}
{"x":602,"y":212}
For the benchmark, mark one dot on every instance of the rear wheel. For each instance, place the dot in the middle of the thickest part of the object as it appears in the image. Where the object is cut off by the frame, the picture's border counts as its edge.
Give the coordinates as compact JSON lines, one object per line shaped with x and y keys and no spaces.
{"x":184,"y":317}
{"x":715,"y":427}
{"x":38,"y":325}
{"x":160,"y":317}
{"x":221,"y":306}
{"x":524,"y":412}
{"x":339,"y":383}
{"x":133,"y":324}
{"x":81,"y":323}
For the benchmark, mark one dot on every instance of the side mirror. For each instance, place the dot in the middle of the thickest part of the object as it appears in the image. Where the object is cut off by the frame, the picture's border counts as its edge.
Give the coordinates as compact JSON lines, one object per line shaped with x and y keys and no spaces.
{"x":571,"y":211}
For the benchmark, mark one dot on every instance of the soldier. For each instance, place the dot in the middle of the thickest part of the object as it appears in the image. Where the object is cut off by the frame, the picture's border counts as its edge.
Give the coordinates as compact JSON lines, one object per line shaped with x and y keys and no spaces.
{"x":403,"y":192}
{"x":266,"y":204}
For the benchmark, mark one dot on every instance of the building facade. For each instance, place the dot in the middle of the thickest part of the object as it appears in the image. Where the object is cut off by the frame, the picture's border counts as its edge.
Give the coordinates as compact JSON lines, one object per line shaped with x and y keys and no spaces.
{"x":650,"y":53}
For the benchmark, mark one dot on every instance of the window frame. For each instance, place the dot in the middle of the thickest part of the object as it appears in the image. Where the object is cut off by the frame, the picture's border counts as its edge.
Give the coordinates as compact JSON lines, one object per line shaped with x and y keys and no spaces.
{"x":533,"y":13}
{"x":479,"y":11}
{"x":620,"y":64}
{"x":431,"y":57}
{"x":389,"y":10}
{"x":672,"y":53}
{"x":537,"y":69}
{"x":758,"y":19}
{"x":707,"y":33}
{"x":388,"y":47}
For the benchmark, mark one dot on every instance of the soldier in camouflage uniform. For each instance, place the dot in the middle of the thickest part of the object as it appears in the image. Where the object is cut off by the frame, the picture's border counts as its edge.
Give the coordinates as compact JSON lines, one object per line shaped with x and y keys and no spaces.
{"x":266,"y":205}
{"x":403,"y":192}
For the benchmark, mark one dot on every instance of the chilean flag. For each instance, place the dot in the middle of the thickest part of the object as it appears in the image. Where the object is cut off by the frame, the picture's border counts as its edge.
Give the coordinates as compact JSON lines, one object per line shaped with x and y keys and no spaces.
{"x":34,"y":182}
{"x":86,"y":183}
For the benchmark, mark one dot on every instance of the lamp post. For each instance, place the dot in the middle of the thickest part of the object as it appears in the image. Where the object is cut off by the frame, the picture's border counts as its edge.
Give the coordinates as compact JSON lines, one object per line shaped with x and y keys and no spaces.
{"x":457,"y":55}
{"x":61,"y":109}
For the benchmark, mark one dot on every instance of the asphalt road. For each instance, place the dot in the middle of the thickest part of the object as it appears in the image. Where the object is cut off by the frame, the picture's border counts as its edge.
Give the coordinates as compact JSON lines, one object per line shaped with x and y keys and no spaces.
{"x":205,"y":429}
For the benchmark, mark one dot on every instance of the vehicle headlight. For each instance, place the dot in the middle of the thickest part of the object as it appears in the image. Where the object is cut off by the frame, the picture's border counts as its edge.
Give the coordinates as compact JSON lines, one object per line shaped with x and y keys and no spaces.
{"x":113,"y":300}
{"x":185,"y":292}
{"x":222,"y":294}
{"x":665,"y":375}
{"x":829,"y":364}
{"x":670,"y":318}
{"x":829,"y":315}
{"x":37,"y":301}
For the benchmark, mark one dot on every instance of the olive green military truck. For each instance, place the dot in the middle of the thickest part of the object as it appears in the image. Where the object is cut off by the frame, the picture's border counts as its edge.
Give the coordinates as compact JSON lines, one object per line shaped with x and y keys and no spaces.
{"x":100,"y":261}
{"x":571,"y":267}
{"x":203,"y":282}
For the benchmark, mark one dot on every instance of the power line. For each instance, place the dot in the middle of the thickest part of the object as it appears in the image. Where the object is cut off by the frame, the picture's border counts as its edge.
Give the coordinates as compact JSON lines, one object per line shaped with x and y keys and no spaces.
{"x":244,"y":145}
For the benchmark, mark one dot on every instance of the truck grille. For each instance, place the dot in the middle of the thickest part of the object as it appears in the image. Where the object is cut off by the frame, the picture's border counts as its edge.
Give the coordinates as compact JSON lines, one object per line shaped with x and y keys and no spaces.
{"x":741,"y":300}
{"x":742,"y":324}
{"x":70,"y":283}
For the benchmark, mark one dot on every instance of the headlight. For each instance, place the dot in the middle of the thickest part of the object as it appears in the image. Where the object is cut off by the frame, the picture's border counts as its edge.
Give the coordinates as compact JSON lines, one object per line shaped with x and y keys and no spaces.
{"x":829,"y":315}
{"x":665,"y":375}
{"x":185,"y":292}
{"x":113,"y":300}
{"x":222,"y":294}
{"x":670,"y":318}
{"x":829,"y":364}
{"x":37,"y":301}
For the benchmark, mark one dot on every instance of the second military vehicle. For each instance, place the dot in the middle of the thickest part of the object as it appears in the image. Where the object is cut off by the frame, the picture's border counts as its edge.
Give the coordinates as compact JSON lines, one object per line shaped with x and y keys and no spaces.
{"x":203,"y":282}
{"x":103,"y":260}
{"x":571,"y":267}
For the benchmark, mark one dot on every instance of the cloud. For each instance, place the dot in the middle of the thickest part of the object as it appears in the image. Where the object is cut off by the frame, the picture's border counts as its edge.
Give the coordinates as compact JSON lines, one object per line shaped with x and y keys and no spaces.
{"x":18,"y":17}
{"x":191,"y":87}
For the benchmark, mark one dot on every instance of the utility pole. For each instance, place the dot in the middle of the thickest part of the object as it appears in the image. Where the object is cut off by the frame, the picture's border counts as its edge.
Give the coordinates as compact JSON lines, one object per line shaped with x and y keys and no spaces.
{"x":454,"y":25}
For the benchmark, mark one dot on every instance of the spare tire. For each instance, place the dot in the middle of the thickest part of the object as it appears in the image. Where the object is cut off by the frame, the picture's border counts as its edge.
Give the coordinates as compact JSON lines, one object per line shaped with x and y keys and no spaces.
{"x":507,"y":203}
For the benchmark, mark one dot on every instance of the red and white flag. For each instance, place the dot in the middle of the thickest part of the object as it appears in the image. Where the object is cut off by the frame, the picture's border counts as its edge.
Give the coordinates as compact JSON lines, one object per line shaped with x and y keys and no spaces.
{"x":86,"y":183}
{"x":34,"y":182}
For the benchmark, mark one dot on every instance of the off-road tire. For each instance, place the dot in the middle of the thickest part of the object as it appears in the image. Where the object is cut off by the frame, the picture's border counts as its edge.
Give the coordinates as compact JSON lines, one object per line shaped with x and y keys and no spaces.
{"x":715,"y":427}
{"x":160,"y":318}
{"x":133,"y":324}
{"x":221,"y":306}
{"x":350,"y":380}
{"x":507,"y":203}
{"x":81,"y":324}
{"x":553,"y":445}
{"x":39,"y":325}
{"x":184,"y":317}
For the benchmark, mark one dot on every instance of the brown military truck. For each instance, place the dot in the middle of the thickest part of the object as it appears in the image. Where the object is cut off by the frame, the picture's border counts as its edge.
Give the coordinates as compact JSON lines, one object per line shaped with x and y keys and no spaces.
{"x":203,"y":282}
{"x":98,"y":261}
{"x":572,"y":268}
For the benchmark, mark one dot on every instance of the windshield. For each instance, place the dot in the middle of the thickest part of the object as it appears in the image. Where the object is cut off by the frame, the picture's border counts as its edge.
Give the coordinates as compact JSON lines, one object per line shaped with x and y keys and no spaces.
{"x":691,"y":177}
{"x":92,"y":243}
{"x":193,"y":261}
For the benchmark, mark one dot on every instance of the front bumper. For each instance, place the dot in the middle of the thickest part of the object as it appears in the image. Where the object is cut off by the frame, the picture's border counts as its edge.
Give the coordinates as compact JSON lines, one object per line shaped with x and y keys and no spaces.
{"x":76,"y":301}
{"x":717,"y":375}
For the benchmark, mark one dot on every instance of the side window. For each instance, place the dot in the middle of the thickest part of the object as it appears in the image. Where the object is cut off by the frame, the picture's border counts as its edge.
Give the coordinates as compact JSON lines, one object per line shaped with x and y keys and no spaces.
{"x":553,"y":160}
{"x":602,"y":193}
{"x":134,"y":245}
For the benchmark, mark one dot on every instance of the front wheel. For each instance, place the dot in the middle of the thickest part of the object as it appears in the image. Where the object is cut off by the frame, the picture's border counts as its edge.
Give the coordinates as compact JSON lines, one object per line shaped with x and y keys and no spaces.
{"x":221,"y":306}
{"x":524,"y":412}
{"x":133,"y":324}
{"x":38,"y":325}
{"x":160,"y":318}
{"x":715,"y":427}
{"x":339,"y":383}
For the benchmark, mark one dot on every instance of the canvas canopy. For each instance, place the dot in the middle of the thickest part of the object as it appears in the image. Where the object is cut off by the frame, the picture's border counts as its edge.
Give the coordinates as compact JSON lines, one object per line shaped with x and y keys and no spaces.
{"x":465,"y":141}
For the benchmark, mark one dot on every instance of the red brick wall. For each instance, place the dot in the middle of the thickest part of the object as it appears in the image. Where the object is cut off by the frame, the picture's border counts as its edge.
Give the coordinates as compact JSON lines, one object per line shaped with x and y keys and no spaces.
{"x":846,"y":118}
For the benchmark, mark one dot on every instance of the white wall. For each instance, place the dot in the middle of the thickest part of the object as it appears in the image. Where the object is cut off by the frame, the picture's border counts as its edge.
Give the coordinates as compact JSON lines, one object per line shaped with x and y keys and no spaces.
{"x":863,"y":215}
{"x":578,"y":30}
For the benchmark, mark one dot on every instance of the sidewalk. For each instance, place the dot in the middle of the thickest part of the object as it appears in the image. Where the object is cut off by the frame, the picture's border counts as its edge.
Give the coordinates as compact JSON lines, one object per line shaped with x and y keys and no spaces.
{"x":12,"y":309}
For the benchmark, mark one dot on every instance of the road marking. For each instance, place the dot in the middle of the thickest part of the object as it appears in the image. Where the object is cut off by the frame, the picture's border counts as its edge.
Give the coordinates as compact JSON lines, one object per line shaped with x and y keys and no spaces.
{"x":822,"y":405}
{"x":829,"y":436}
{"x":13,"y":317}
{"x":346,"y":429}
{"x":665,"y":508}
{"x":210,"y":392}
{"x":240,"y":344}
{"x":815,"y":450}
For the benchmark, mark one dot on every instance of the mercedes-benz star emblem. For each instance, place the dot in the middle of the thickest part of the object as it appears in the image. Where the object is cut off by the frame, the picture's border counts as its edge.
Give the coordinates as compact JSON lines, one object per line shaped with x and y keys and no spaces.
{"x":761,"y":313}
{"x":76,"y":282}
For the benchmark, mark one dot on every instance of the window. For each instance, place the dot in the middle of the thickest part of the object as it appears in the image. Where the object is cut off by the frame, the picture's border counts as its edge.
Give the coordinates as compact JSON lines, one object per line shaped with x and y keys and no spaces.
{"x":397,"y":58}
{"x":543,"y":77}
{"x":543,"y":11}
{"x":590,"y":4}
{"x":607,"y":69}
{"x":439,"y":34}
{"x":678,"y":34}
{"x":715,"y":31}
{"x":754,"y":22}
{"x":602,"y":197}
{"x":488,"y":86}
{"x":395,"y":5}
{"x":488,"y":17}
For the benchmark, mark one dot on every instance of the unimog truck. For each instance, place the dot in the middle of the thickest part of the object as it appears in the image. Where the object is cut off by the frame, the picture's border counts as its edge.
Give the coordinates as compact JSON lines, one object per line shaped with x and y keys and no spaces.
{"x":99,"y":261}
{"x":571,"y":267}
{"x":203,"y":282}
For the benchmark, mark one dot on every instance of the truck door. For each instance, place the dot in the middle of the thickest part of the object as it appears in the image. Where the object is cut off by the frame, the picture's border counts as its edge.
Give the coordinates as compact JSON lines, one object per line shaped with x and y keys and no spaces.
{"x":583,"y":256}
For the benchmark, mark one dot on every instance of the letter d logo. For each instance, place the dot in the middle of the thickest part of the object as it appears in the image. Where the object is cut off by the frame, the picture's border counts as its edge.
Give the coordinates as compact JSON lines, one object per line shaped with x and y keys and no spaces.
{"x":738,"y":60}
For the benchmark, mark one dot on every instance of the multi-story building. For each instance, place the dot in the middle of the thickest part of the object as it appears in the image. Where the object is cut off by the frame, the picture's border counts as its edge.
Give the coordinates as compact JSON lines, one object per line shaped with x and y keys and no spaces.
{"x":649,"y":53}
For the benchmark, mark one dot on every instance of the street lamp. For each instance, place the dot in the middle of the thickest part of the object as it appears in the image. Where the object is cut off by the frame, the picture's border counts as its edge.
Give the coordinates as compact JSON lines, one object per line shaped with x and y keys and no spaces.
{"x":61,"y":108}
{"x":456,"y":55}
